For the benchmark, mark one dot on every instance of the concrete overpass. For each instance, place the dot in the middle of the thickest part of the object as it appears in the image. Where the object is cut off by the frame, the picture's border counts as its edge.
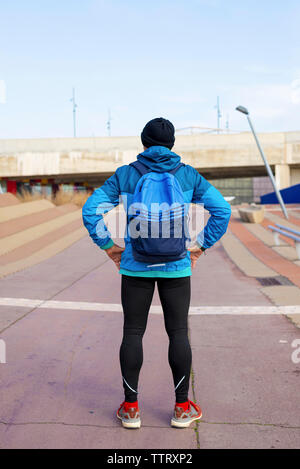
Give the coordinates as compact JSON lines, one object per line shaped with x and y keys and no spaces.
{"x":92,"y":160}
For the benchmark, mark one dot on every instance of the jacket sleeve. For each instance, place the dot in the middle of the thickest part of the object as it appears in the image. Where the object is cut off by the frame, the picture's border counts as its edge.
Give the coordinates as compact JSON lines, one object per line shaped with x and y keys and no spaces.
{"x":219,"y":209}
{"x":100,"y":202}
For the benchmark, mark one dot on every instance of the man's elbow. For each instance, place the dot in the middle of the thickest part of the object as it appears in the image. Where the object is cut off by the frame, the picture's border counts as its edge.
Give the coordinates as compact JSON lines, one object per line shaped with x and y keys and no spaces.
{"x":227,"y":211}
{"x":85,"y":212}
{"x":86,"y":205}
{"x":226,"y":215}
{"x":224,"y":211}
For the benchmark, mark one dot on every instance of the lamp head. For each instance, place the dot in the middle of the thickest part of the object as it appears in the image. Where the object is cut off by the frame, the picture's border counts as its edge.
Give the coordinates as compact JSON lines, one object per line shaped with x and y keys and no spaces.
{"x":243,"y":110}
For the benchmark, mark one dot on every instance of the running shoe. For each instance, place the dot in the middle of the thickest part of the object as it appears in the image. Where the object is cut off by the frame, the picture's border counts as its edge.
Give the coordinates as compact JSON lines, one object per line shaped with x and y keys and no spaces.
{"x":185,"y":414}
{"x":129,"y":414}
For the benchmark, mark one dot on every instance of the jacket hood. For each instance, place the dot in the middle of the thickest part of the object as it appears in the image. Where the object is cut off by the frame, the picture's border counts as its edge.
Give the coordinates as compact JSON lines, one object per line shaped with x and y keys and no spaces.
{"x":159,"y":159}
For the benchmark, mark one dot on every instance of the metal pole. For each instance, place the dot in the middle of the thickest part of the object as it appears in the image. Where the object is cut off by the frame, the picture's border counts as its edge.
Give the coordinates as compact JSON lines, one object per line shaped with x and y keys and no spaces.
{"x":109,"y":124}
{"x":271,"y":176}
{"x":227,"y":124}
{"x":219,"y":113}
{"x":74,"y":112}
{"x":269,"y":170}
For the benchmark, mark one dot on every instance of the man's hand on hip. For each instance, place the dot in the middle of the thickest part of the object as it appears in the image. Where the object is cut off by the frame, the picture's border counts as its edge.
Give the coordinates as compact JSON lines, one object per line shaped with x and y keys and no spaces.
{"x":115,"y":253}
{"x":195,"y":254}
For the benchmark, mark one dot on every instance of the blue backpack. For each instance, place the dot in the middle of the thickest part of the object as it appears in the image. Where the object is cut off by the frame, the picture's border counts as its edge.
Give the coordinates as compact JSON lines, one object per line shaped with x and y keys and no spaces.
{"x":157,"y":218}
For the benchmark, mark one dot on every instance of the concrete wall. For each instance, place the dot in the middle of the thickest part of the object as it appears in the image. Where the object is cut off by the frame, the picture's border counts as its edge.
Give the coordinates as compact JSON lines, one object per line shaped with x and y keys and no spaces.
{"x":215,"y":156}
{"x":295,"y":176}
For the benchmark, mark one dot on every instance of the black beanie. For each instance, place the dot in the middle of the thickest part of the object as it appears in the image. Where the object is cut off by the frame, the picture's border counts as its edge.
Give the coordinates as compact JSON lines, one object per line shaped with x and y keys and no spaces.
{"x":158,"y":132}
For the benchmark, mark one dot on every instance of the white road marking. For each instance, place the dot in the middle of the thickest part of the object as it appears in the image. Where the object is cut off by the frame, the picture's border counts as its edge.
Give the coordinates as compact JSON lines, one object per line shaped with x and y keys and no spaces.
{"x":20,"y":302}
{"x":194,"y":310}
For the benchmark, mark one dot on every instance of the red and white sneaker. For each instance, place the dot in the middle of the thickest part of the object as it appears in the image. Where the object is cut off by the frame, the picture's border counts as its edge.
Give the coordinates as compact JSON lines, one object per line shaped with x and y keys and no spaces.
{"x":185,"y":414}
{"x":129,"y":414}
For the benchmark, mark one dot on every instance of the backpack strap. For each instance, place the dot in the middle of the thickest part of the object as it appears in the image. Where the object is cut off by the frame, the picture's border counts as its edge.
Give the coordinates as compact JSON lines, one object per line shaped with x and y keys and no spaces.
{"x":176,"y":169}
{"x":140,"y":167}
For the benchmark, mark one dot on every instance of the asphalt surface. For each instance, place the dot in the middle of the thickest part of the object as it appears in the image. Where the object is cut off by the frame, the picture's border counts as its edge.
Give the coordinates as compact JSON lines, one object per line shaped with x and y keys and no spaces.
{"x":61,"y":385}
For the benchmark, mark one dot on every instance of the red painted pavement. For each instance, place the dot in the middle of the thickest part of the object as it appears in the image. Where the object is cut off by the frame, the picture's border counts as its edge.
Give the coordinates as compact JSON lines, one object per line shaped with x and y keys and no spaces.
{"x":265,"y":254}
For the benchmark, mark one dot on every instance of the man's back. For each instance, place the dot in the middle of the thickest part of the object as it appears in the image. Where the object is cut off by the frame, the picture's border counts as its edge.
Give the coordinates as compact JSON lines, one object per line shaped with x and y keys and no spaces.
{"x":121,"y":187}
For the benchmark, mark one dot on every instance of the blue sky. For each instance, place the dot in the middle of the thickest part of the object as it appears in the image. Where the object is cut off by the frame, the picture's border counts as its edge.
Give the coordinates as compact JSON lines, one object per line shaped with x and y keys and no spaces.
{"x":143,"y":59}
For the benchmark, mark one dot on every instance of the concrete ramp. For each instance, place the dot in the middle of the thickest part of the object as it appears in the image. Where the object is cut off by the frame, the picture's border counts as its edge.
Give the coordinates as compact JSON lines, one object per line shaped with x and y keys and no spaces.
{"x":26,"y":208}
{"x":33,"y":234}
{"x":17,"y":225}
{"x":8,"y":199}
{"x":44,"y":253}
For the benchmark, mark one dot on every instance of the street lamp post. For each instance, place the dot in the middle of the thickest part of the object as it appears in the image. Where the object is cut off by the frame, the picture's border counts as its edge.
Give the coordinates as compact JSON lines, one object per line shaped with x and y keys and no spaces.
{"x":245,"y":111}
{"x":74,"y":112}
{"x":219,"y":114}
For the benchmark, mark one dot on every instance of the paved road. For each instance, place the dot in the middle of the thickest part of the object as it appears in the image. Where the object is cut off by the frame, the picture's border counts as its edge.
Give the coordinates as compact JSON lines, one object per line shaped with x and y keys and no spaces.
{"x":61,"y":384}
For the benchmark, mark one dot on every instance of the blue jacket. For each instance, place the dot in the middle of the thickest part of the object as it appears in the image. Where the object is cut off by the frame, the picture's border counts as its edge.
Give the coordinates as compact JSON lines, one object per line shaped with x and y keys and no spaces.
{"x":120,"y":188}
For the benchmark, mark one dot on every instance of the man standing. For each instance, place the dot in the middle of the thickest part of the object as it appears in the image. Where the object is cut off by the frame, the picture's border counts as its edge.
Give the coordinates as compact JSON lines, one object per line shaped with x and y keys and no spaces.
{"x":157,"y":176}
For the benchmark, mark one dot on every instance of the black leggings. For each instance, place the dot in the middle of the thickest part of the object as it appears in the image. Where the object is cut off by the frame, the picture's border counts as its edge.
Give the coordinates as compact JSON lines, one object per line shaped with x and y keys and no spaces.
{"x":137,"y":294}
